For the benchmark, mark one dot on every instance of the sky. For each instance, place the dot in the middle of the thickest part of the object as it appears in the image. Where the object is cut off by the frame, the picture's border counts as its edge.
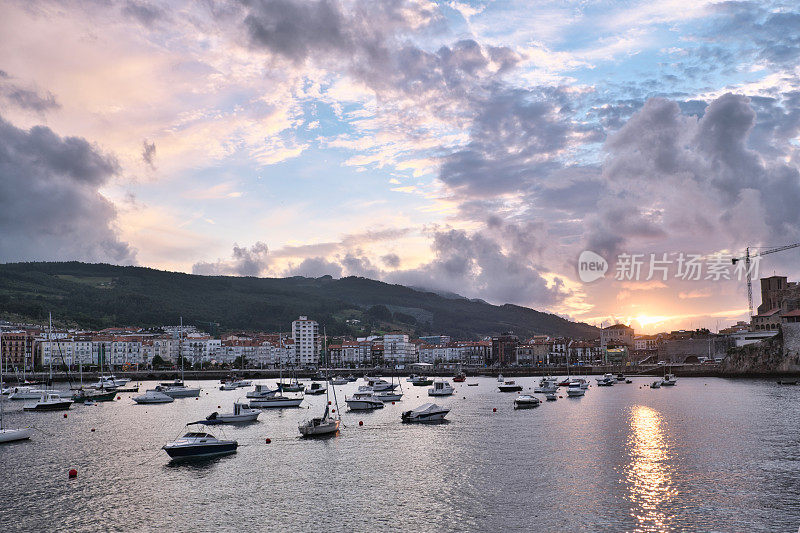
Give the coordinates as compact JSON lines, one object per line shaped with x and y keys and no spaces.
{"x":475,"y":147}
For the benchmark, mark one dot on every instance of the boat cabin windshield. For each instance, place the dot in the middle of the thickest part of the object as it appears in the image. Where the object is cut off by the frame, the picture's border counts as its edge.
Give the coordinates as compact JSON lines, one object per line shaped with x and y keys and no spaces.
{"x":193,"y":435}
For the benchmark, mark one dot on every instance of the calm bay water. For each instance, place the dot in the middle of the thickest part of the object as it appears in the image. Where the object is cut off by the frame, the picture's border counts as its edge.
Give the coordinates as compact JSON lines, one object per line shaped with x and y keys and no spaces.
{"x":706,"y":455}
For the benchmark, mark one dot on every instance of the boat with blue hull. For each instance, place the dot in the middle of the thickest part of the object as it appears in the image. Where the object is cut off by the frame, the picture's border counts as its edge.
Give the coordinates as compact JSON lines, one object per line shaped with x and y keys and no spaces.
{"x":199,"y":444}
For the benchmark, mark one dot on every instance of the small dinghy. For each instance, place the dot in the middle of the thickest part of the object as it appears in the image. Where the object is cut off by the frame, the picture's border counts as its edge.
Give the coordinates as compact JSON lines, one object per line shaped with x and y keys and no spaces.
{"x":429,"y":412}
{"x":526,"y":401}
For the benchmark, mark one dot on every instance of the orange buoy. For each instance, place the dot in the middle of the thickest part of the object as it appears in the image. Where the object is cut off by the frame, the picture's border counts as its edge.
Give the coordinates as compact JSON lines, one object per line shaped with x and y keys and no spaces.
{"x":73,"y":473}
{"x":360,"y":422}
{"x":268,"y":440}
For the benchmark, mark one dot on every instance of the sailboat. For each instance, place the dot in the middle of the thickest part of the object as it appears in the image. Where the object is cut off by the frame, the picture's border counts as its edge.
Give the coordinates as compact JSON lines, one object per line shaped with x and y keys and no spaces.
{"x":9,"y":434}
{"x":326,"y":424}
{"x":390,"y":395}
{"x":83,"y":394}
{"x":49,"y":400}
{"x":178,"y":389}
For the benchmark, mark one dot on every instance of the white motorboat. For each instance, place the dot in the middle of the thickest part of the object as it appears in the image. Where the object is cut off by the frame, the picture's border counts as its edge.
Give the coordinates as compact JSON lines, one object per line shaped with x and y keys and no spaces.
{"x":363,"y":400}
{"x":9,"y":434}
{"x":441,"y":388}
{"x":526,"y":401}
{"x":25,"y":393}
{"x":153,"y":396}
{"x":509,"y":386}
{"x":316,"y":388}
{"x":109,"y":382}
{"x":380,"y":384}
{"x":575,"y":390}
{"x":262,"y":391}
{"x":339,"y":380}
{"x":546,"y":384}
{"x":428,"y":412}
{"x":656,"y":384}
{"x":198,"y":444}
{"x":669,"y":380}
{"x":275,"y":401}
{"x":550,"y":396}
{"x":410,"y":378}
{"x":241,"y":413}
{"x":228,"y":386}
{"x":241,"y":383}
{"x":181,"y":391}
{"x":607,"y":380}
{"x":49,"y":401}
{"x":388,"y":396}
{"x":582,"y":383}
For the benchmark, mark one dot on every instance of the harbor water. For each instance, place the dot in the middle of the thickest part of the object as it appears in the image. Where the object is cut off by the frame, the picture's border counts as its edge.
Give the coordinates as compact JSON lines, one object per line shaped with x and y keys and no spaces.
{"x":709,"y":454}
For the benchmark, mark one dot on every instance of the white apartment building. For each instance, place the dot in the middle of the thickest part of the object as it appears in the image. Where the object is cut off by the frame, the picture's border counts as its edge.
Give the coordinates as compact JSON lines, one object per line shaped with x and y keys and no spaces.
{"x":397,"y":350}
{"x":356,"y":353}
{"x":200,"y":348}
{"x":305,"y":334}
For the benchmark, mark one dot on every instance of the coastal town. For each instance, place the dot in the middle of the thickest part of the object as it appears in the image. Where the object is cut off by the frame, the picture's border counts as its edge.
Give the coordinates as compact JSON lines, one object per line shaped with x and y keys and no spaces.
{"x":305,"y":345}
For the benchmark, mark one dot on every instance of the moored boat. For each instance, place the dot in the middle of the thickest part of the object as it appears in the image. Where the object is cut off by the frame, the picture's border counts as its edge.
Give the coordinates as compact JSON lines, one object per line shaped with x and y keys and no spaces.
{"x":669,"y":380}
{"x":441,"y":388}
{"x":153,"y":396}
{"x":241,"y":413}
{"x":656,"y":384}
{"x":428,"y":412}
{"x":363,"y":401}
{"x":526,"y":401}
{"x":49,"y":401}
{"x":199,"y":444}
{"x":460,"y":378}
{"x":316,"y":388}
{"x":575,"y":390}
{"x":509,"y":386}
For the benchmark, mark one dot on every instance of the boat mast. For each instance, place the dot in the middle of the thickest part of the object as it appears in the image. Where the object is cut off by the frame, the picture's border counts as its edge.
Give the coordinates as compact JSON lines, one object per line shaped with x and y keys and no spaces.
{"x":2,"y":400}
{"x":180,"y":351}
{"x":50,"y":348}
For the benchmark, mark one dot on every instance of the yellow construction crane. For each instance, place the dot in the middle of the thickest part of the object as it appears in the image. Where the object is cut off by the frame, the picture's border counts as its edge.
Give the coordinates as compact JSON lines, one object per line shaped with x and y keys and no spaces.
{"x":746,"y":258}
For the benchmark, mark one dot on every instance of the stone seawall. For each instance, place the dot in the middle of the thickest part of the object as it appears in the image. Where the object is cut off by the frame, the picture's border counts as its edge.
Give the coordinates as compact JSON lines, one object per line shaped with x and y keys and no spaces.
{"x":777,"y":356}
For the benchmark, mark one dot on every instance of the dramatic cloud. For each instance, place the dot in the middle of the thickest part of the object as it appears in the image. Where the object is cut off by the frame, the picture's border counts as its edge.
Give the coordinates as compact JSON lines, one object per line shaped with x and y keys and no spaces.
{"x":253,"y":261}
{"x":315,"y":267}
{"x":52,"y":207}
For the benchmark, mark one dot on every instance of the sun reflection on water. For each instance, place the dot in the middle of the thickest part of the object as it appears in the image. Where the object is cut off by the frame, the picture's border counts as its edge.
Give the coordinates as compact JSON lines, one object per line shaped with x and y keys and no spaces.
{"x":650,"y":485}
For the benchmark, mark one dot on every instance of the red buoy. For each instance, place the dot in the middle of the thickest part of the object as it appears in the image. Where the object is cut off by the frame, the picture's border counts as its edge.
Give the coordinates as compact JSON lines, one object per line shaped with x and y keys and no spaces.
{"x":360,"y":422}
{"x":268,"y":440}
{"x":92,"y":430}
{"x":392,"y":403}
{"x":333,"y":410}
{"x":219,"y":407}
{"x":329,"y":402}
{"x":65,"y":415}
{"x":119,"y":397}
{"x":197,"y":398}
{"x":73,"y":473}
{"x":494,"y":410}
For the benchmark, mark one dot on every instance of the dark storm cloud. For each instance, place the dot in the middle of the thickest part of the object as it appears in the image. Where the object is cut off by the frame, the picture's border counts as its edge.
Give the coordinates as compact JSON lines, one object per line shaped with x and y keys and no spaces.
{"x":52,"y":207}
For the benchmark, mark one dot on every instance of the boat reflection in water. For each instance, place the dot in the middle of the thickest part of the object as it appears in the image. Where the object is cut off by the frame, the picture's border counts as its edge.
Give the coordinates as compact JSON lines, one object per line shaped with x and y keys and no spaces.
{"x":650,"y":485}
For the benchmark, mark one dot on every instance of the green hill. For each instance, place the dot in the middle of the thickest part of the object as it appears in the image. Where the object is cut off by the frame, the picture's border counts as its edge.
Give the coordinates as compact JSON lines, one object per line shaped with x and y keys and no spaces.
{"x":100,"y":295}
